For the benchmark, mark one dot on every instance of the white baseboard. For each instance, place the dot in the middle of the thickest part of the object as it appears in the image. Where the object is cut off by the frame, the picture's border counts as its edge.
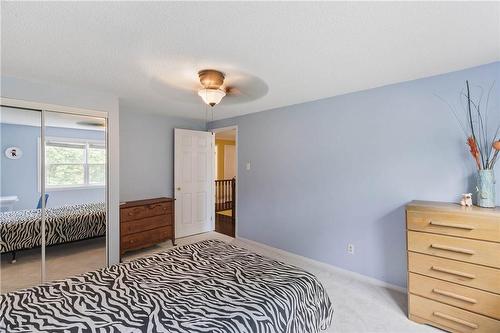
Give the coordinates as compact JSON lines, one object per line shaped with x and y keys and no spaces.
{"x":328,"y":267}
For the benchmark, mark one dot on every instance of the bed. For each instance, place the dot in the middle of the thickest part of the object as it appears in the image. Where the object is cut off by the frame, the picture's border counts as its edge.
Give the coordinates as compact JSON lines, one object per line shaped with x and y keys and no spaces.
{"x":21,"y":229}
{"x":210,"y":286}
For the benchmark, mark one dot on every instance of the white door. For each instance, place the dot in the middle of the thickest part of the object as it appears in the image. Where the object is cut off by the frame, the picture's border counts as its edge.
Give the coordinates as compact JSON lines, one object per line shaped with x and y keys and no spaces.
{"x":193,"y":181}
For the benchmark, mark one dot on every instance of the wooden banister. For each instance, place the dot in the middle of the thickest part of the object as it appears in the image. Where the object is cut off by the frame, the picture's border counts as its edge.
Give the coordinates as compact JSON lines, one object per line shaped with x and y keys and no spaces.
{"x":225,"y":194}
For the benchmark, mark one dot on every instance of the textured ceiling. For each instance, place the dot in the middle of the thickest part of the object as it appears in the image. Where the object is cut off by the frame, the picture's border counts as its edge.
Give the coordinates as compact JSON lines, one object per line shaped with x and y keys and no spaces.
{"x":296,"y":51}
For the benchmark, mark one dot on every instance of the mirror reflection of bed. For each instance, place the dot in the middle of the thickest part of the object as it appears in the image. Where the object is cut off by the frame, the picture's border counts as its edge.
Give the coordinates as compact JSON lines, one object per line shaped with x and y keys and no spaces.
{"x":72,"y":197}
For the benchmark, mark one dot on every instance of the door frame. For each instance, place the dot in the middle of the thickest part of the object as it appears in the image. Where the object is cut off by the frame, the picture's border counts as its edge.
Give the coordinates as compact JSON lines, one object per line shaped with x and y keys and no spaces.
{"x":224,"y":129}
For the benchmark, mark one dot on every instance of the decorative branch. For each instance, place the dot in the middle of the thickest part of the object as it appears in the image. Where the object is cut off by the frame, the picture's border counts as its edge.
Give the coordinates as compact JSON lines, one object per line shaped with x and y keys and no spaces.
{"x":483,"y":147}
{"x":474,"y":151}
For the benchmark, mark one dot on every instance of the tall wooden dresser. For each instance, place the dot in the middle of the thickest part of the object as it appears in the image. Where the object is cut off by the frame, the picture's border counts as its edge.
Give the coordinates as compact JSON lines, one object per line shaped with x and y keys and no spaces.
{"x":146,"y":222}
{"x":454,"y":266}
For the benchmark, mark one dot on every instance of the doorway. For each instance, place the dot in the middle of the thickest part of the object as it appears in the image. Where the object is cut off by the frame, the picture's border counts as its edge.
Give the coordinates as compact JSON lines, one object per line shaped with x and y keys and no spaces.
{"x":225,"y":168}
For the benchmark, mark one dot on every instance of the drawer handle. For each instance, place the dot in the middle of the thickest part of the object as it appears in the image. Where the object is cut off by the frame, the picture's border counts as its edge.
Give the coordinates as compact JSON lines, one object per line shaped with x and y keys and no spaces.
{"x":452,"y":249}
{"x":456,"y":320}
{"x":453,"y":295}
{"x":453,"y":272}
{"x":452,"y":225}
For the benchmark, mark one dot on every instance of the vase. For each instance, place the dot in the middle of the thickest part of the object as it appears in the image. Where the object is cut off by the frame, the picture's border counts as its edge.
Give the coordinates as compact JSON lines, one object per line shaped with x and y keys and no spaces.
{"x":486,"y":188}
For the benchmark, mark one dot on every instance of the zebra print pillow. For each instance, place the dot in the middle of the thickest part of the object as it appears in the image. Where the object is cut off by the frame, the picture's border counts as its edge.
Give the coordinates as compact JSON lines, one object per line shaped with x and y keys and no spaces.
{"x":22,"y":229}
{"x":208,"y":286}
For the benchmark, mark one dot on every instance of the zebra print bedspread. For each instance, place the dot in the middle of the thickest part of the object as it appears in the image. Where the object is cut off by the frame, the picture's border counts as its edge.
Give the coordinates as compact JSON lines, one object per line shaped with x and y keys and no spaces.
{"x":208,"y":286}
{"x":22,"y":229}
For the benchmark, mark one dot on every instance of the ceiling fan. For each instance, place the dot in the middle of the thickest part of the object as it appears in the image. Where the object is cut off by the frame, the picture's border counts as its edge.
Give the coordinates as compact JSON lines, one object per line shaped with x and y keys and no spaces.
{"x":227,"y":87}
{"x":214,"y":89}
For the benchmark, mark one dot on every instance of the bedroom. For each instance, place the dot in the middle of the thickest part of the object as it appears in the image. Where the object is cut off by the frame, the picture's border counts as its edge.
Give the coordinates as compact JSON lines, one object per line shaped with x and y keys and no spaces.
{"x":342,"y":117}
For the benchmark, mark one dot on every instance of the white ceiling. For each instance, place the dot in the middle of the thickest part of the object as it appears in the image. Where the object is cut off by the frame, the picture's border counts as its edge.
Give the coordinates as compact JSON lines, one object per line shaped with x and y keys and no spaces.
{"x":299,"y":51}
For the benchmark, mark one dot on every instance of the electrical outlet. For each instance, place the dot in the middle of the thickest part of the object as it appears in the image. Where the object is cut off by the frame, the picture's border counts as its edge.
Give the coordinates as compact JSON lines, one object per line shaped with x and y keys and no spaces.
{"x":350,"y":248}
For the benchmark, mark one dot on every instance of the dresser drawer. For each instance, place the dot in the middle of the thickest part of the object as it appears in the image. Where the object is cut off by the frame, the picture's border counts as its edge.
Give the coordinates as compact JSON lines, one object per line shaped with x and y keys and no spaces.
{"x":470,"y":299}
{"x":475,"y":276}
{"x":147,"y":223}
{"x":140,"y":212}
{"x":145,"y":238}
{"x":473,"y":251}
{"x":461,"y":225}
{"x":450,"y":317}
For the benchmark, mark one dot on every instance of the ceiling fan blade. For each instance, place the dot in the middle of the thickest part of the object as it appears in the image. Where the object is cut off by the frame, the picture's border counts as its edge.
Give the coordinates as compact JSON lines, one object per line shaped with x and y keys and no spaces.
{"x":233,"y":91}
{"x":91,"y":123}
{"x":183,"y":94}
{"x":245,"y":89}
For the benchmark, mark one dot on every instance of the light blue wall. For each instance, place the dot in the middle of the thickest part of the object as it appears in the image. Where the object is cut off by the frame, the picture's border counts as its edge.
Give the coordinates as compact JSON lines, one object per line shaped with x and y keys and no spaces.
{"x":147,"y":153}
{"x":340,"y":170}
{"x":20,"y":177}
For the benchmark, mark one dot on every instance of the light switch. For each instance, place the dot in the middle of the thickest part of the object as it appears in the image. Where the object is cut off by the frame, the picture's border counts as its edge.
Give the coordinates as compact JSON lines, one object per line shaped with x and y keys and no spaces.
{"x":248,"y":165}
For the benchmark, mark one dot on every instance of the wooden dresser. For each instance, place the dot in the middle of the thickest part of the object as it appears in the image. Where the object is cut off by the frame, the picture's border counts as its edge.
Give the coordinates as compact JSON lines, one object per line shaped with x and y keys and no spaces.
{"x":146,"y":222}
{"x":454,"y":266}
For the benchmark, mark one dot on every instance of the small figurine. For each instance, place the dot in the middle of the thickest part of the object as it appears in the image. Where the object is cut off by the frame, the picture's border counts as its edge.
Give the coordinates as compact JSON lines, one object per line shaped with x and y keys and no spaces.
{"x":466,"y":200}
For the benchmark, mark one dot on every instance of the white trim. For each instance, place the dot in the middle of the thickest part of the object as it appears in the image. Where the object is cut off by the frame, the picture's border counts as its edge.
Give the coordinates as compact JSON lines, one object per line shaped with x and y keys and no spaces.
{"x":73,"y":188}
{"x":108,"y":196}
{"x":63,"y":139}
{"x":236,"y":143}
{"x":328,"y":267}
{"x":224,"y":129}
{"x":41,"y":161}
{"x":212,"y":185}
{"x":17,"y":103}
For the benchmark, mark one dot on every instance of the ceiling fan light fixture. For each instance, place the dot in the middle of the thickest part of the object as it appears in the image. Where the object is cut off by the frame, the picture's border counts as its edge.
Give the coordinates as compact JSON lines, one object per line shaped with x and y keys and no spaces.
{"x":211,"y":96}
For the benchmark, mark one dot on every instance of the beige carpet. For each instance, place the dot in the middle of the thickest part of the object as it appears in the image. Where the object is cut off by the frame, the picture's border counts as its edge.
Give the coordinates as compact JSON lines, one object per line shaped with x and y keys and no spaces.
{"x":358,"y":306}
{"x":63,"y":261}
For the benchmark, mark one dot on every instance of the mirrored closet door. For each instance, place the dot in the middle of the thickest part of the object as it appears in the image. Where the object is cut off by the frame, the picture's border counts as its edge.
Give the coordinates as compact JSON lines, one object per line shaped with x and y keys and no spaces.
{"x":21,"y":214}
{"x":75,"y":187}
{"x":53,"y":222}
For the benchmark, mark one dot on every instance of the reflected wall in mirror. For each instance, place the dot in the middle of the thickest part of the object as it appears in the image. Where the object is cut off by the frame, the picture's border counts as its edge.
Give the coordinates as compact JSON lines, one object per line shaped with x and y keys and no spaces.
{"x":20,"y":216}
{"x":75,"y":186}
